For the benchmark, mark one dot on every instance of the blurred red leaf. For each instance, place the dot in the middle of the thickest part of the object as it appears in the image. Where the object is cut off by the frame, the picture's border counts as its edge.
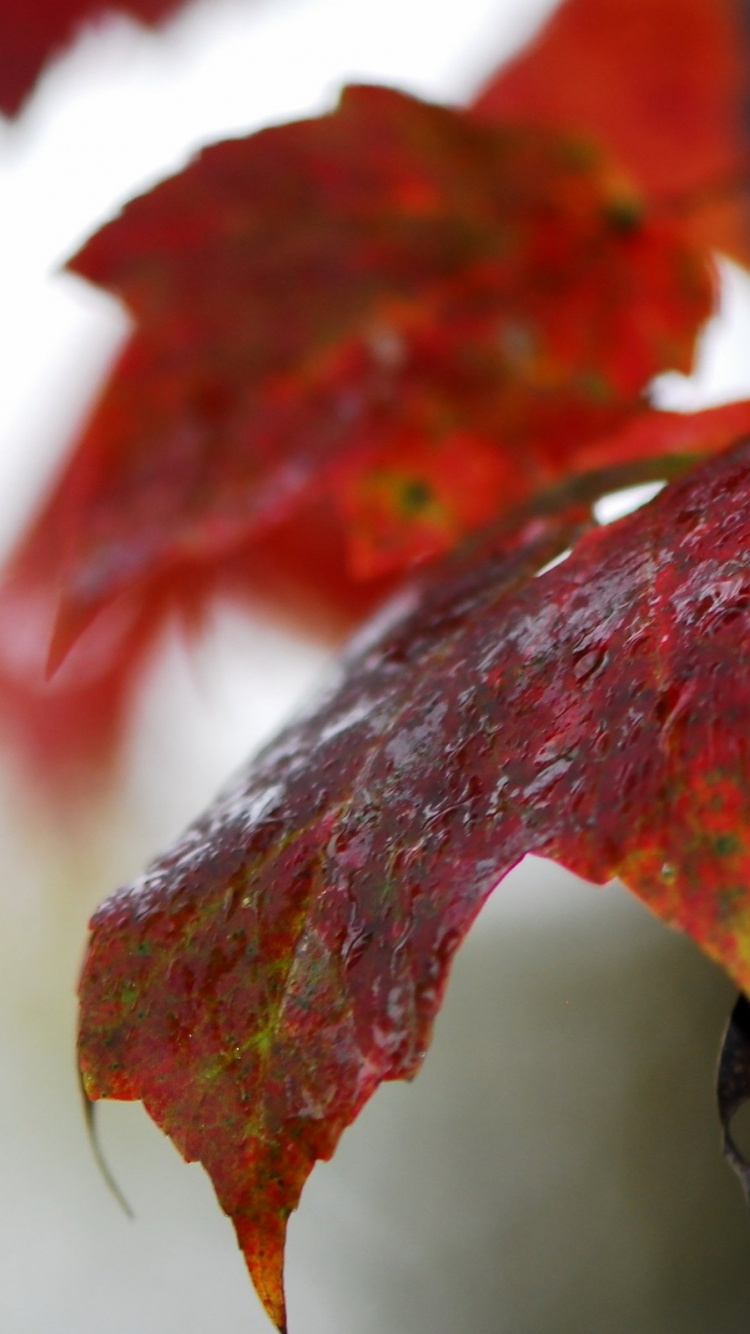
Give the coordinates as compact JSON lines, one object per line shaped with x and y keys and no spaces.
{"x":290,"y":951}
{"x":664,"y":84}
{"x":384,"y":277}
{"x":31,"y":31}
{"x":391,"y":316}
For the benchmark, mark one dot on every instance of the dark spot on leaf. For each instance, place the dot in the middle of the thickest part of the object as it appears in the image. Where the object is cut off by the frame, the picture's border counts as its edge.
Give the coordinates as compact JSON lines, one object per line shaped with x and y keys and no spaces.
{"x":415,"y":496}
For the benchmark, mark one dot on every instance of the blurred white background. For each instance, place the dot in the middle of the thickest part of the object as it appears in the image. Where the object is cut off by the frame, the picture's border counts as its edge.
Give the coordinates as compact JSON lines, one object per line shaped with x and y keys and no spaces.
{"x":555,"y":1168}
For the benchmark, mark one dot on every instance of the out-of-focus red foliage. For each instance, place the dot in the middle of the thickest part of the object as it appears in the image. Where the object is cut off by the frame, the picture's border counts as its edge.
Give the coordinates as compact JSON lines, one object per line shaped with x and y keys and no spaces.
{"x":363,"y":341}
{"x":290,"y":951}
{"x":31,"y":31}
{"x":671,"y":436}
{"x":664,"y":83}
{"x":392,"y":321}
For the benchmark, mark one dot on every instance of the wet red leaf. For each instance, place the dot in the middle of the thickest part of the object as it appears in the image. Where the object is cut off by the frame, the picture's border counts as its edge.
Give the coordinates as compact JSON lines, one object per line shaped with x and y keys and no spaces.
{"x":67,"y":726}
{"x":664,"y":84}
{"x":31,"y":31}
{"x":391,"y":320}
{"x":290,"y":951}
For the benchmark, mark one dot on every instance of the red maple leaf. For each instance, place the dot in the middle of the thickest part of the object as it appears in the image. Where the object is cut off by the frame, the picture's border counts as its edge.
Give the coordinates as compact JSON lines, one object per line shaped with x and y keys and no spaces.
{"x":664,"y":84}
{"x":391,"y":322}
{"x":32,"y":32}
{"x":291,"y":950}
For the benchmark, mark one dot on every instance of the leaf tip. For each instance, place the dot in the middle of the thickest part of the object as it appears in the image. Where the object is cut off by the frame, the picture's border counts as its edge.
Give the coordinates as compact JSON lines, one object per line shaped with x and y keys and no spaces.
{"x":89,"y":1110}
{"x":71,"y":620}
{"x":61,"y":643}
{"x":262,"y":1246}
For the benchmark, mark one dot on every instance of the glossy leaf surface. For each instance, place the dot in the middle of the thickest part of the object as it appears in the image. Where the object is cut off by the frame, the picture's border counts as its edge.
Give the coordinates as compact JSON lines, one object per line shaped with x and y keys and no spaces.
{"x":664,"y":84}
{"x":66,"y":726}
{"x":358,"y":337}
{"x":30,"y":33}
{"x":290,"y":951}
